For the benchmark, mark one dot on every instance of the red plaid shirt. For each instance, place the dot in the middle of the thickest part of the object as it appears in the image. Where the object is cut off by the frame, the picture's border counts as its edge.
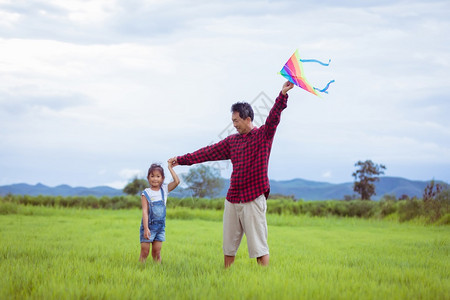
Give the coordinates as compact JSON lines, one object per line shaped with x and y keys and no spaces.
{"x":249,"y":155}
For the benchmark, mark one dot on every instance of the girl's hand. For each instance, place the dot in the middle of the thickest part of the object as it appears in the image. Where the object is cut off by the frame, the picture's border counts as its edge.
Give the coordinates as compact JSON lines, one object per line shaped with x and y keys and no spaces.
{"x":147,"y":233}
{"x":172,"y":162}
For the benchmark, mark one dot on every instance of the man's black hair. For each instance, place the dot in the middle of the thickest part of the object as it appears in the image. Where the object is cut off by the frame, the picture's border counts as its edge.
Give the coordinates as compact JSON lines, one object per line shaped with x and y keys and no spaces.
{"x":244,"y":109}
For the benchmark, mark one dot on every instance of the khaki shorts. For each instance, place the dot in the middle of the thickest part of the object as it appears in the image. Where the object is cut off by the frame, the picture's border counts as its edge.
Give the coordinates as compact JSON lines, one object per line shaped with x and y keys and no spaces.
{"x":248,"y":218}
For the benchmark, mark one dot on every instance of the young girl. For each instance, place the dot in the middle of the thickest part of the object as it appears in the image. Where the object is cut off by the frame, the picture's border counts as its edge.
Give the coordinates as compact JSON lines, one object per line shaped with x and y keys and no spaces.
{"x":153,"y":221}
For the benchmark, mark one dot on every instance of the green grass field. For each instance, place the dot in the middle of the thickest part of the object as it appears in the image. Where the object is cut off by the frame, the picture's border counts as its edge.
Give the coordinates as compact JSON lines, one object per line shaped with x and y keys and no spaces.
{"x":58,"y":253}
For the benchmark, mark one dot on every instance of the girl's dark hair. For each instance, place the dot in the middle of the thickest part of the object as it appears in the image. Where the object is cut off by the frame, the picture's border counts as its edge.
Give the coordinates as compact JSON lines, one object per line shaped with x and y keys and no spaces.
{"x":244,"y":109}
{"x":156,"y":167}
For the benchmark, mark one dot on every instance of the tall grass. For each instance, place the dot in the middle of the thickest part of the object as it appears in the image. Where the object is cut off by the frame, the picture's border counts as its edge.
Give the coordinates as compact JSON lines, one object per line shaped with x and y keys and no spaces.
{"x":61,"y":253}
{"x":436,"y":211}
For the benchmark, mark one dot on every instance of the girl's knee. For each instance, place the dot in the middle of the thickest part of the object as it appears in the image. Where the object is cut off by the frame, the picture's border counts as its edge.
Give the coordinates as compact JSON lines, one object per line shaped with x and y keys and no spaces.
{"x":145,"y":250}
{"x":156,"y":252}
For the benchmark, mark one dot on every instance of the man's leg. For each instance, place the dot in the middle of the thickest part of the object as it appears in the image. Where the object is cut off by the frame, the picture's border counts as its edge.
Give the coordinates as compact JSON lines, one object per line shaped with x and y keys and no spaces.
{"x":255,"y":228}
{"x":263,"y":260}
{"x":229,"y":260}
{"x":232,"y":232}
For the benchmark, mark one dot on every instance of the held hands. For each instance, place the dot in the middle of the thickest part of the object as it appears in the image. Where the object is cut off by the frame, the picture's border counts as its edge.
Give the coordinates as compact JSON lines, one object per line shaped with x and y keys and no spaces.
{"x":286,"y":87}
{"x":172,"y":162}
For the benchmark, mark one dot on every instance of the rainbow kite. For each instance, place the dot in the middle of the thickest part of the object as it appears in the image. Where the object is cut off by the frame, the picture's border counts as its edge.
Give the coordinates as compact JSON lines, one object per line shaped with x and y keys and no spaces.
{"x":293,"y":71}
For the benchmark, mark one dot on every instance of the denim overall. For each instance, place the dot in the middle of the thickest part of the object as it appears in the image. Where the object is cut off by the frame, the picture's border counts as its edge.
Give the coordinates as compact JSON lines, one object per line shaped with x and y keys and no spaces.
{"x":156,"y":220}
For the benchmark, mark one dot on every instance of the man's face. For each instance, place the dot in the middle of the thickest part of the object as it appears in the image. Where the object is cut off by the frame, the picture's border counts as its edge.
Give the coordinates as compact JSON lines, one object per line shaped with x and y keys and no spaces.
{"x":243,"y":126}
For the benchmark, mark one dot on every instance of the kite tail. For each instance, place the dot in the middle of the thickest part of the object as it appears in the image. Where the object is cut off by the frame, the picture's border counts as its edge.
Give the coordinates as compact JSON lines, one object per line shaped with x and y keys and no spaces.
{"x":324,"y":90}
{"x":316,"y":61}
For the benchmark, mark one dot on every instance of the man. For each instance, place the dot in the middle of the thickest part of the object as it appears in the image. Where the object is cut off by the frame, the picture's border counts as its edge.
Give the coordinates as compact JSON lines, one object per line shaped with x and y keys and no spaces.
{"x":249,"y":151}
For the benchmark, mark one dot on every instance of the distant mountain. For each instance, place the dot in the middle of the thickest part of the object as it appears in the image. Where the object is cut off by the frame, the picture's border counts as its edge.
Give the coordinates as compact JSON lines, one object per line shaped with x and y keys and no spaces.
{"x":299,"y":188}
{"x":310,"y":190}
{"x":60,"y":190}
{"x":315,"y":190}
{"x":400,"y":186}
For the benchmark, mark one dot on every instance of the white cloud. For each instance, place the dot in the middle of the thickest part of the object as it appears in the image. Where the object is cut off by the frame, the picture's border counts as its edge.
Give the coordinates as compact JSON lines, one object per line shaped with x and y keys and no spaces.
{"x":116,"y":86}
{"x":327,"y":174}
{"x":130,"y":173}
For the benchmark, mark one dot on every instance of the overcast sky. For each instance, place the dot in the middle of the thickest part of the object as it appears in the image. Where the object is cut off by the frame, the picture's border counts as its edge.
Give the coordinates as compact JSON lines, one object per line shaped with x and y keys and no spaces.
{"x":93,"y":92}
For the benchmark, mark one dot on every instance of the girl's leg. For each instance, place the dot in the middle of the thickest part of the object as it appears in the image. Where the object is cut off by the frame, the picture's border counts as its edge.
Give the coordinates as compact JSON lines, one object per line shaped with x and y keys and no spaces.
{"x":156,"y":251}
{"x":145,"y":250}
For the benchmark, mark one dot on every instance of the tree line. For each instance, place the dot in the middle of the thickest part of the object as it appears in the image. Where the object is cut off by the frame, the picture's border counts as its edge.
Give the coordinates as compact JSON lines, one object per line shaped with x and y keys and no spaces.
{"x":433,"y":208}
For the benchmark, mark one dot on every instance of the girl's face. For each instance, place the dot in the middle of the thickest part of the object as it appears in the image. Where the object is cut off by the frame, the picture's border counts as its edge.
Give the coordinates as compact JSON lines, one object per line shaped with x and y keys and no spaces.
{"x":155,"y":179}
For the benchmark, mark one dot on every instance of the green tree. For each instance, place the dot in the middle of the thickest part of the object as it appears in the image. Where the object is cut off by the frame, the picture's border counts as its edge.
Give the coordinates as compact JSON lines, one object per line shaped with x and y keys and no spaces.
{"x":135,"y":186}
{"x":365,"y":177}
{"x":204,"y":181}
{"x":436,"y":200}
